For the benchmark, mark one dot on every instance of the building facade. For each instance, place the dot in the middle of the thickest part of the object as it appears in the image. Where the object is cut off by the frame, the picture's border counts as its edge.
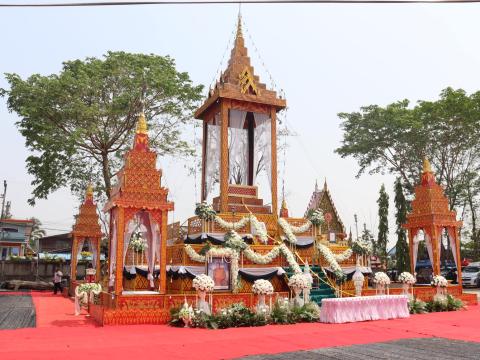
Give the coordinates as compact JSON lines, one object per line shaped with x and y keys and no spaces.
{"x":14,"y":236}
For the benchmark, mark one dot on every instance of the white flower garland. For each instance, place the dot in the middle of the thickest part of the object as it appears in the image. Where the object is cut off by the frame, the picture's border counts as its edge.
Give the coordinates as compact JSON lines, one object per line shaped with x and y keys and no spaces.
{"x":291,"y":238}
{"x":259,"y":229}
{"x":226,"y":225}
{"x":193,"y":255}
{"x":328,"y":255}
{"x":262,"y":287}
{"x":343,"y":256}
{"x":271,"y":255}
{"x":234,"y":241}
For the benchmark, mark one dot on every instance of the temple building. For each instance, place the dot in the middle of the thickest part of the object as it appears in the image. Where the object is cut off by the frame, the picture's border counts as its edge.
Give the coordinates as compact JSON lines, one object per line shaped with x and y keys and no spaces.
{"x":333,"y":226}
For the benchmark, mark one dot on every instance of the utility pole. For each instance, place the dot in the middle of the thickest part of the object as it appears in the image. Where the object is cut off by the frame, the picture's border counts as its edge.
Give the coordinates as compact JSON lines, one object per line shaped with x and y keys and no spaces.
{"x":4,"y":197}
{"x":356,"y":224}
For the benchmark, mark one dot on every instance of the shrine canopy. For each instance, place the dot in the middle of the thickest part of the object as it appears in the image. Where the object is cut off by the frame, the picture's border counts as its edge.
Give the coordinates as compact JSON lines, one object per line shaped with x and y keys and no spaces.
{"x":239,"y":132}
{"x":138,"y":203}
{"x":86,"y":231}
{"x":431,"y":220}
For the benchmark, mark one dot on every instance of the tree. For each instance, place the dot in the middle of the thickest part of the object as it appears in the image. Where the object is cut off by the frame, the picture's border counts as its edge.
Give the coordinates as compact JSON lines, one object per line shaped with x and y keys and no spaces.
{"x":36,"y":234}
{"x":402,"y":253}
{"x":79,"y":123}
{"x":382,"y":239}
{"x":367,"y":237}
{"x":395,"y":138}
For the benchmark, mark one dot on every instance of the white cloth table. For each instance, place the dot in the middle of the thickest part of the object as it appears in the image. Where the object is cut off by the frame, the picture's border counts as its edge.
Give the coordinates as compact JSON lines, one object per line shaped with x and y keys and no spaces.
{"x":364,"y":308}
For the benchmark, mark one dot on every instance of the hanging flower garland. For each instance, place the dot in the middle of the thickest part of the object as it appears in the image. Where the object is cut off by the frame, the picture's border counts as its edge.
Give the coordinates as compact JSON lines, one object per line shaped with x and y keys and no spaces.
{"x":343,"y":256}
{"x":193,"y":255}
{"x":271,"y":255}
{"x":234,"y":241}
{"x":232,"y":225}
{"x":329,"y":257}
{"x":259,"y":229}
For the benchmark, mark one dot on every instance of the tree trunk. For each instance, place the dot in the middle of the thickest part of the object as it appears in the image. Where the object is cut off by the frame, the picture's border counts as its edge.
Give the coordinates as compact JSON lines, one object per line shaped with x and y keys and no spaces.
{"x":106,"y":174}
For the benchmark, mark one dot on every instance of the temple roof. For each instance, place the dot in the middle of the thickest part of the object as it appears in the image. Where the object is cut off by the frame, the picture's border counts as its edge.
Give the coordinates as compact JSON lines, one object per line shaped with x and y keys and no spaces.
{"x":87,"y":221}
{"x":322,"y":199}
{"x":239,"y":81}
{"x":430,"y":205}
{"x":139,"y":181}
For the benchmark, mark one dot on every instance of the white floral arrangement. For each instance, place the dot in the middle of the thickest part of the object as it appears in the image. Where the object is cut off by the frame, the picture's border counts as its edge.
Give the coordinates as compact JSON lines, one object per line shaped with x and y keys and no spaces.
{"x":347,"y":254}
{"x":407,"y":278}
{"x":361,"y":247}
{"x":226,"y":225}
{"x":137,"y":244}
{"x":193,"y":255}
{"x":90,"y":287}
{"x":259,"y":229}
{"x":316,"y":217}
{"x":205,"y":211}
{"x":439,"y":281}
{"x":331,"y":259}
{"x":299,"y":281}
{"x":262,"y":287}
{"x":234,"y":241}
{"x":186,"y":312}
{"x":381,"y":278}
{"x":203,"y":282}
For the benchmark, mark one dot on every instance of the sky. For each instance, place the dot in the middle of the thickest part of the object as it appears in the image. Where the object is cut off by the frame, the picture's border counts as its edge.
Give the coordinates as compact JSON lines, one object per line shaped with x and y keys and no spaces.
{"x":327,"y":59}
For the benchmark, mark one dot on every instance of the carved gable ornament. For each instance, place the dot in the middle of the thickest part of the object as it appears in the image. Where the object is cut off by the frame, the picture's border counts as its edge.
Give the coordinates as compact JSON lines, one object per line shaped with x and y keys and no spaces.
{"x":246,"y":82}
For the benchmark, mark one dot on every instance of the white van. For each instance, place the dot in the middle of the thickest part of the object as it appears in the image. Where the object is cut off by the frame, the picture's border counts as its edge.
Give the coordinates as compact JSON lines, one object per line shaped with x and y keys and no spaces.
{"x":471,"y":275}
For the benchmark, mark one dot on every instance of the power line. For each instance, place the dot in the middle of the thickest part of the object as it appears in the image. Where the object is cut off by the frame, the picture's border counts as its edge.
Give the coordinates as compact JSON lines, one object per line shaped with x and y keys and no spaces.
{"x":213,"y":2}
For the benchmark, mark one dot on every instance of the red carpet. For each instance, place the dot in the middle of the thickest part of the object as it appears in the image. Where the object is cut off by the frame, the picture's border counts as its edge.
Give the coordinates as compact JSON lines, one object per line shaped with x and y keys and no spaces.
{"x":59,"y":334}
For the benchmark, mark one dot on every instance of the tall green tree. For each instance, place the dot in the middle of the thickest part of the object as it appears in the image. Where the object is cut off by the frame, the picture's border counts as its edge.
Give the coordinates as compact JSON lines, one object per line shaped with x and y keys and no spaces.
{"x":367,"y":237}
{"x":382,"y":238}
{"x":36,"y":234}
{"x":402,"y":253}
{"x":395,"y":138}
{"x":79,"y":123}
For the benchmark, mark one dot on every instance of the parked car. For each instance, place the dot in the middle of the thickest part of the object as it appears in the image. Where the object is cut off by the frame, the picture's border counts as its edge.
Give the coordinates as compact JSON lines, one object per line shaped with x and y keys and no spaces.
{"x":471,"y":275}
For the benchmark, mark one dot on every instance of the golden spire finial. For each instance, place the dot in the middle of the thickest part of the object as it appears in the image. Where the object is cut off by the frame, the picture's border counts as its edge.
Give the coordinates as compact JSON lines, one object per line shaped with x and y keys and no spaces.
{"x":284,"y":204}
{"x":239,"y":25}
{"x":142,"y":124}
{"x":89,"y":192}
{"x":325,"y":184}
{"x":426,"y":165}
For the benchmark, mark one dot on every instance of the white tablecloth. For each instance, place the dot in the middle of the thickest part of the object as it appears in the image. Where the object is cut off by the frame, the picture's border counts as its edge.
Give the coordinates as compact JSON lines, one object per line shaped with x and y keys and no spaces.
{"x":364,"y":308}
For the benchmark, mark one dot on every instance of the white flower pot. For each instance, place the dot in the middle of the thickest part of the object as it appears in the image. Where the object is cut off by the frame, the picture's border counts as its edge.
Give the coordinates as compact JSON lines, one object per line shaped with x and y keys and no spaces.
{"x":380,"y":289}
{"x":441,"y":294}
{"x":202,"y":303}
{"x":261,"y":306}
{"x":358,"y":280}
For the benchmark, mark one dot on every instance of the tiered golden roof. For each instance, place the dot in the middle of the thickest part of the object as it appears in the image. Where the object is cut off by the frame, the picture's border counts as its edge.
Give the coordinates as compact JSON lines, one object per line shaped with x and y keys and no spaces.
{"x":87,"y":221}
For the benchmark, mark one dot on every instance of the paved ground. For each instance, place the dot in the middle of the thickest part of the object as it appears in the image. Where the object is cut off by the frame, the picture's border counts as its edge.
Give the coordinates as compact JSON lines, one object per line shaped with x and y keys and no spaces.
{"x":412,"y":349}
{"x":16,"y":311}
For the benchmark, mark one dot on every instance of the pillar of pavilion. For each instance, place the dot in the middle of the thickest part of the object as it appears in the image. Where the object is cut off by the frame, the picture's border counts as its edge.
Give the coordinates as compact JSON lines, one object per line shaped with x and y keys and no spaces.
{"x":86,"y":231}
{"x":138,"y":203}
{"x":431,"y":214}
{"x":239,"y":136}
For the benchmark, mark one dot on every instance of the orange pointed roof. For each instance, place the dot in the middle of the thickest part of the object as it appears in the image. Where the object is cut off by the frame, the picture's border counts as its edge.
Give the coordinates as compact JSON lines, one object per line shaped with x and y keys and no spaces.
{"x":139,"y":181}
{"x":87,"y":221}
{"x":239,"y":81}
{"x":430,"y":205}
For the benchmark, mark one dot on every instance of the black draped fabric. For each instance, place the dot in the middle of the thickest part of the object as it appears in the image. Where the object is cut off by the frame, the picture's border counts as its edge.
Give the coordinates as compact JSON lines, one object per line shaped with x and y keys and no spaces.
{"x":212,"y":239}
{"x":127,"y":275}
{"x":252,"y":277}
{"x":144,"y":272}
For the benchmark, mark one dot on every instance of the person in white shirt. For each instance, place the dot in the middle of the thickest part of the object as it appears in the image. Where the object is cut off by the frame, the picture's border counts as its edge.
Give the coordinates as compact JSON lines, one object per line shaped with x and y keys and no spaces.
{"x":57,"y":281}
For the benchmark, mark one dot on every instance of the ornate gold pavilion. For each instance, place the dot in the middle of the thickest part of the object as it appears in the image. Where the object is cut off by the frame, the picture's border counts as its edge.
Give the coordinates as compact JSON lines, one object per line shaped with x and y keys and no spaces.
{"x":86,"y":231}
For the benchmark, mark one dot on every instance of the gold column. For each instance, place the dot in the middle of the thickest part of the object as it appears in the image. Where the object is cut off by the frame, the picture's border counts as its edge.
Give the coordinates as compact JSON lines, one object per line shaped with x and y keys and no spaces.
{"x":411,"y":231}
{"x":98,"y":274}
{"x":224,"y":158}
{"x":435,"y":251}
{"x":163,"y":253}
{"x":459,"y":259}
{"x":273,"y":120}
{"x":204,"y":158}
{"x":119,"y":260}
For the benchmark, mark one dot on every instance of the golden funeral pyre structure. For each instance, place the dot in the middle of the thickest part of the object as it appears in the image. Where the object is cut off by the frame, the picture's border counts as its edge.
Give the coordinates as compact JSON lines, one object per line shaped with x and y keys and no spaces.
{"x":236,"y":237}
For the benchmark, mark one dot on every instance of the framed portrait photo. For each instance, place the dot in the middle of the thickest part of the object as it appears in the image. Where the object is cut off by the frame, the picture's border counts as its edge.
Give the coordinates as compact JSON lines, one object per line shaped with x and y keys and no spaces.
{"x":219,"y":270}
